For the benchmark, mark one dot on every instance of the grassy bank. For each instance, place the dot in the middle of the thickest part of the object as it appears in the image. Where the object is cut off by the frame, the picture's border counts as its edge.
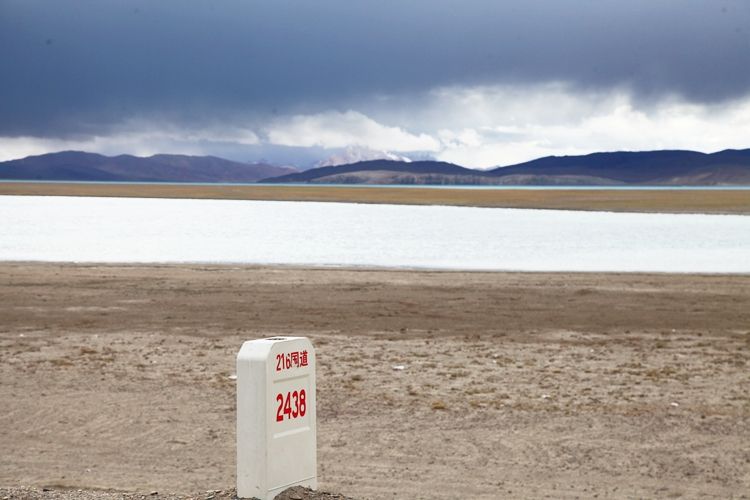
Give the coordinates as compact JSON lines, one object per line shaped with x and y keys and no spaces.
{"x":645,"y":200}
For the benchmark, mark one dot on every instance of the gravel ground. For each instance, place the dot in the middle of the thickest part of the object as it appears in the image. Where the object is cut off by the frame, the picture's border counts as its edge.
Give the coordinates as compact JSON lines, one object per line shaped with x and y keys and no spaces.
{"x":430,"y":385}
{"x":295,"y":493}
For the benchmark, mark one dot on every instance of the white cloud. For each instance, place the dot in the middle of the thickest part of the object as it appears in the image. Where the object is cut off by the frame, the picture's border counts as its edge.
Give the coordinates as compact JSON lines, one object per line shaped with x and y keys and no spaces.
{"x":477,"y":127}
{"x":489,"y":126}
{"x":486,"y":155}
{"x":21,"y":147}
{"x":136,"y":138}
{"x":339,"y":130}
{"x":465,"y":138}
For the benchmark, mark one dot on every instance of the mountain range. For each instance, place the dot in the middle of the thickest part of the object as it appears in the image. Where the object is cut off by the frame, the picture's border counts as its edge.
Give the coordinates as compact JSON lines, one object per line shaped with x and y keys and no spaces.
{"x":80,"y":166}
{"x":729,"y":167}
{"x":666,"y":167}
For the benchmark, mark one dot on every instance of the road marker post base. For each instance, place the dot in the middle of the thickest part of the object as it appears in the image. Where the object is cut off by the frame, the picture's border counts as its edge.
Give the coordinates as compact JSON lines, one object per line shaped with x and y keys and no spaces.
{"x":276,"y":416}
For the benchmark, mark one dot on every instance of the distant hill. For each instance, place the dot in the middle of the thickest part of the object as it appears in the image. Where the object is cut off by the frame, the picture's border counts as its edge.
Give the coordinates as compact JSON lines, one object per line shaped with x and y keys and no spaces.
{"x":689,"y":168}
{"x":388,"y":172}
{"x":80,"y":166}
{"x":645,"y":167}
{"x":730,"y":167}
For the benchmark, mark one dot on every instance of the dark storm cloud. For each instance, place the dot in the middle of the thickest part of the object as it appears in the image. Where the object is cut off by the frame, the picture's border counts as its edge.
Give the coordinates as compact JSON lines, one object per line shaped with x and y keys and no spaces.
{"x":78,"y":67}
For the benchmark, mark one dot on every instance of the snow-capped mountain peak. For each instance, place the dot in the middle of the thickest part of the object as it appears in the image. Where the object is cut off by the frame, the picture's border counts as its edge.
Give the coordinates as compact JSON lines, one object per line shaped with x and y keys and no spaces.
{"x":354,"y":154}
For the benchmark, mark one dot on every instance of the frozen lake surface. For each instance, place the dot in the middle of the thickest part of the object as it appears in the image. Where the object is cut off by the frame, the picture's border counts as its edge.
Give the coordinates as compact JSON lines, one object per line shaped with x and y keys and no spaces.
{"x":345,"y":234}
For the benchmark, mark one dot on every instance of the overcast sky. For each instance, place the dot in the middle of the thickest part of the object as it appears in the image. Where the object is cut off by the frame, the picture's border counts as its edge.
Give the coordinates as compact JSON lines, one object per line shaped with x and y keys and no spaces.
{"x":479,"y":83}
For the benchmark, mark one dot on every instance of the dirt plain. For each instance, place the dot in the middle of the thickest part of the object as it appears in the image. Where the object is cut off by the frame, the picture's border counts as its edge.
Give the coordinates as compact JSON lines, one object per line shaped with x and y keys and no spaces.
{"x":117,"y":379}
{"x":723,"y":201}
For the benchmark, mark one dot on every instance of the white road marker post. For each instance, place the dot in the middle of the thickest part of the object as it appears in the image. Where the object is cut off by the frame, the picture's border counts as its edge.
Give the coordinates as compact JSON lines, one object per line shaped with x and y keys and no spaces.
{"x":276,"y":434}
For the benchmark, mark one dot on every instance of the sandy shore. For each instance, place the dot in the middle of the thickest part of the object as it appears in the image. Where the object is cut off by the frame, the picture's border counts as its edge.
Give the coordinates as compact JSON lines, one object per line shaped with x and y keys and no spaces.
{"x":635,"y":200}
{"x":513,"y":385}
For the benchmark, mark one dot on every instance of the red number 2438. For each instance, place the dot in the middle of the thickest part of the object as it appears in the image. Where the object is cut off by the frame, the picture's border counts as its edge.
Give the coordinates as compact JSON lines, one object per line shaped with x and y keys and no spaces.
{"x":292,"y":406}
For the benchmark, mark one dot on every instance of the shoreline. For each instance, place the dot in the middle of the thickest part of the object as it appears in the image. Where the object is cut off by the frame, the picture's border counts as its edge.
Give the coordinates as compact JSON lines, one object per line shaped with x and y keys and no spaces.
{"x":207,"y":266}
{"x":692,"y":201}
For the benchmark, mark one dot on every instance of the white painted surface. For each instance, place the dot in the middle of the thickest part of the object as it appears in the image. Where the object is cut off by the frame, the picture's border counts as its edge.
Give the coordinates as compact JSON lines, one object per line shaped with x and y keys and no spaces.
{"x":346,"y":234}
{"x":276,"y":443}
